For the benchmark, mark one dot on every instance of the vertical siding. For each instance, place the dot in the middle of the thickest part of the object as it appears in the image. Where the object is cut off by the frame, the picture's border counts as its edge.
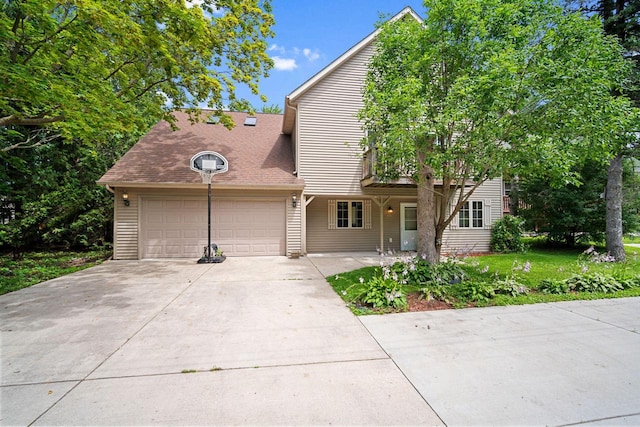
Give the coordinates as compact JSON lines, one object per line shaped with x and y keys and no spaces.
{"x":328,"y":132}
{"x":126,"y":226}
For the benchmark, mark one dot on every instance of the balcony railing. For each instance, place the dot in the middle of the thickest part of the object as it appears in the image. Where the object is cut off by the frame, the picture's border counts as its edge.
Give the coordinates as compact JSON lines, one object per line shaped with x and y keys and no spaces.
{"x":372,"y":170}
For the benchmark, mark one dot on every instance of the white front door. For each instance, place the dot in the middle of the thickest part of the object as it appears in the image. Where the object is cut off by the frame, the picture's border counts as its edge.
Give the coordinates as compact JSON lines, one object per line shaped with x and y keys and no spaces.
{"x":408,"y":226}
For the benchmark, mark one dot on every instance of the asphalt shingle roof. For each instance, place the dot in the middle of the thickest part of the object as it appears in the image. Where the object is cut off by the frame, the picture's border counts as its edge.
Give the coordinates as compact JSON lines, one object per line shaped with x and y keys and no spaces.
{"x":259,"y":155}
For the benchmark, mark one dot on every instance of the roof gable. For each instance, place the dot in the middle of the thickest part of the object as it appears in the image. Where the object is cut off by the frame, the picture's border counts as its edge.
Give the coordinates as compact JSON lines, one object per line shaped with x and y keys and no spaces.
{"x":293,"y":97}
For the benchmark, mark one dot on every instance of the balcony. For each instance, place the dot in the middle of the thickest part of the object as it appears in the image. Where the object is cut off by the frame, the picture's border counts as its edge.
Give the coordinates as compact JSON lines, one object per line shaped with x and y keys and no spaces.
{"x":371,"y":171}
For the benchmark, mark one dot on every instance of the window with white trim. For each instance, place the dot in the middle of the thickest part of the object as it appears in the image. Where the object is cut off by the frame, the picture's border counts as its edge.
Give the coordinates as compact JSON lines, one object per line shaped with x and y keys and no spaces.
{"x":471,"y":215}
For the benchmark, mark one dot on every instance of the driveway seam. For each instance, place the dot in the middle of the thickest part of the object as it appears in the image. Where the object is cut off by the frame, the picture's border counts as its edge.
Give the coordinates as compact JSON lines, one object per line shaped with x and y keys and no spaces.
{"x":595,"y":319}
{"x":599,"y":419}
{"x":190,"y":284}
{"x":402,"y":372}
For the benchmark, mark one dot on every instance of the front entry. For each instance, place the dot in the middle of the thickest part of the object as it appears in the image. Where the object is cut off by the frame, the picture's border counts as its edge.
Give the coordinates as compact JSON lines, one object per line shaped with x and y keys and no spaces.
{"x":408,"y":226}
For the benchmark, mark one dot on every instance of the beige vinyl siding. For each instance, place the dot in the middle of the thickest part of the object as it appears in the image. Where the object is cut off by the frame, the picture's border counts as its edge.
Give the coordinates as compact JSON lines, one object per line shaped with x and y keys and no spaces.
{"x":125,"y":226}
{"x":472,"y":240}
{"x":294,"y":225}
{"x":321,"y":239}
{"x":328,"y":133}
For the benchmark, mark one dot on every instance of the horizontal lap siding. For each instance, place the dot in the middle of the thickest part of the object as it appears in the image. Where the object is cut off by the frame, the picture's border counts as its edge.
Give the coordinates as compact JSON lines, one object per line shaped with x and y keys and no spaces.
{"x":321,"y":239}
{"x":329,"y":134}
{"x":462,"y":240}
{"x":125,"y":226}
{"x":127,"y":218}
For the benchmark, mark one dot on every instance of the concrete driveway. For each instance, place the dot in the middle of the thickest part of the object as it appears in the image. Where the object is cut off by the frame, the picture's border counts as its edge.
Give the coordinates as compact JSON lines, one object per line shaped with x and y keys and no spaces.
{"x":258,"y":341}
{"x":265,"y":341}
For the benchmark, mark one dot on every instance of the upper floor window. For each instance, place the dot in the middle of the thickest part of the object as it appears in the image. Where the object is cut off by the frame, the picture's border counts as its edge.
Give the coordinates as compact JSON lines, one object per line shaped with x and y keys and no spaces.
{"x":471,"y":215}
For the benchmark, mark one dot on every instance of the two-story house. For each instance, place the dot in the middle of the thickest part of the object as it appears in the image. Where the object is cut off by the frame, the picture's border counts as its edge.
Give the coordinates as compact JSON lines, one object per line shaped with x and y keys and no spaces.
{"x":297,"y":183}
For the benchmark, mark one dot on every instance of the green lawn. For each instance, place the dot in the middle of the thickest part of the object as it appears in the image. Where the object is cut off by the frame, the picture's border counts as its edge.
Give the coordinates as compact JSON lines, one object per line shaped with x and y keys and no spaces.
{"x":527,"y":269}
{"x":36,"y":267}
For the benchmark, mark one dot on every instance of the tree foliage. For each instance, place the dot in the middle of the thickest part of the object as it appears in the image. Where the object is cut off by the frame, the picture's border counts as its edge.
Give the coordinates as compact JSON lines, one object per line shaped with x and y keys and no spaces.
{"x":82,"y":80}
{"x":621,"y":18}
{"x":487,"y":86}
{"x":576,"y":213}
{"x":88,"y":69}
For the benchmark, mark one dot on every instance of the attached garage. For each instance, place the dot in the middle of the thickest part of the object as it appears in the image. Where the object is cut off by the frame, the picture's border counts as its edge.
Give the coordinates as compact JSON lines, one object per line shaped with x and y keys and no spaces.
{"x":177,"y":228}
{"x":160,"y":203}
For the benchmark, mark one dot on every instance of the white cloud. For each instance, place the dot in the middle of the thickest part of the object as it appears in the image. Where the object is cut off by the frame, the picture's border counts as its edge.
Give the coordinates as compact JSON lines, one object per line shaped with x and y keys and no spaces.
{"x":279,"y":49}
{"x":284,"y":64}
{"x":311,"y":55}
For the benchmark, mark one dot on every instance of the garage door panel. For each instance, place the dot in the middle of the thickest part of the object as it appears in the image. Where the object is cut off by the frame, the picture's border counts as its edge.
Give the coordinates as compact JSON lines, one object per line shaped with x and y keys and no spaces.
{"x":176,"y":228}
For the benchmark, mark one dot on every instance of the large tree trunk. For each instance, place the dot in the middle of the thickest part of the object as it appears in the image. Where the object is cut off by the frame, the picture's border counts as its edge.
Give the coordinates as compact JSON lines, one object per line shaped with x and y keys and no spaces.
{"x":427,"y":247}
{"x":615,"y":246}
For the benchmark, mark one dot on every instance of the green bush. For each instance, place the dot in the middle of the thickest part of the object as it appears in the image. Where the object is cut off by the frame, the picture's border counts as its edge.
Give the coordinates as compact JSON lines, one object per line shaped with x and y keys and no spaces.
{"x":436,"y":292}
{"x":549,"y":286}
{"x":594,"y":283}
{"x":475,"y":291}
{"x":510,"y":286}
{"x":419,"y":272}
{"x":384,"y":292}
{"x":506,"y":235}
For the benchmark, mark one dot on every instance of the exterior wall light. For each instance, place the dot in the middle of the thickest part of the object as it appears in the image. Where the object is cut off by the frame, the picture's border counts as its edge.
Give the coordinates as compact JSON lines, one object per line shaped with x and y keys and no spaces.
{"x":125,"y":198}
{"x":389,"y":210}
{"x":294,"y":200}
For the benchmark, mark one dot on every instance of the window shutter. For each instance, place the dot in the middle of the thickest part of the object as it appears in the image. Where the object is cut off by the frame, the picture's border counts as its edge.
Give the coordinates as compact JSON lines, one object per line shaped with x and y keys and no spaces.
{"x":332,"y":215}
{"x":487,"y":214}
{"x":367,"y":214}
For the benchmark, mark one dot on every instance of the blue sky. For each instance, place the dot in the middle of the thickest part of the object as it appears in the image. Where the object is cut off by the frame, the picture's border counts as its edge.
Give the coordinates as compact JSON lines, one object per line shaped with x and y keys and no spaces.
{"x":309,"y":35}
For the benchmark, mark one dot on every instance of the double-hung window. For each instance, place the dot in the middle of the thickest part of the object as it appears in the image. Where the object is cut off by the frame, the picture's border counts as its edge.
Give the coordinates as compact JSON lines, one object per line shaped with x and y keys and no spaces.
{"x":349,"y":214}
{"x":471,"y":215}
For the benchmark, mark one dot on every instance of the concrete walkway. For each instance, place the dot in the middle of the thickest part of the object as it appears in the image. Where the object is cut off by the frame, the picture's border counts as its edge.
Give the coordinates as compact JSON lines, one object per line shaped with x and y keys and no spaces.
{"x":265,"y":341}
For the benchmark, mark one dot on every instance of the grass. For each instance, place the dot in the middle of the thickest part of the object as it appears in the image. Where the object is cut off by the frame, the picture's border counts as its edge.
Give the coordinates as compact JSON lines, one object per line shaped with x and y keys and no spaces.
{"x":36,"y":267}
{"x":545,"y":263}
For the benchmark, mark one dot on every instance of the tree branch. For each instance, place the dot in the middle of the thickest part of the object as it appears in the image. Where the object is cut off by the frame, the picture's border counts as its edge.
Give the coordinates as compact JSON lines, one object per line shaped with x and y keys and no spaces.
{"x":28,"y":143}
{"x":29,"y":121}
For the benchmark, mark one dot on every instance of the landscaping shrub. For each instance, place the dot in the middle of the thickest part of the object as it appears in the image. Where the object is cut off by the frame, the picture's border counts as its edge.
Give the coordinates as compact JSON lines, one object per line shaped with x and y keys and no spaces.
{"x":384,"y":292}
{"x":506,"y":235}
{"x":594,"y":282}
{"x":417,"y":271}
{"x":549,"y":286}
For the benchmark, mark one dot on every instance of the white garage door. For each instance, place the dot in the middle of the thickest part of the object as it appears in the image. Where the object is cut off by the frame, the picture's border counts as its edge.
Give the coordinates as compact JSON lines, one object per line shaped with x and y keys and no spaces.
{"x":178,"y":228}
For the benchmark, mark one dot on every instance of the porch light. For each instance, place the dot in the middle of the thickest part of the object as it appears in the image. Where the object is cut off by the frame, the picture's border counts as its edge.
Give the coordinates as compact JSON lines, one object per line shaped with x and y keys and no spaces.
{"x":294,"y":200}
{"x":389,"y":210}
{"x":125,"y":198}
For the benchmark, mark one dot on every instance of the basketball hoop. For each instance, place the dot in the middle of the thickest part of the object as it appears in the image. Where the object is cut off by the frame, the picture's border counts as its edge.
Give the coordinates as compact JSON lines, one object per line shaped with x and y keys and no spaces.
{"x":206,"y":176}
{"x":207,"y":164}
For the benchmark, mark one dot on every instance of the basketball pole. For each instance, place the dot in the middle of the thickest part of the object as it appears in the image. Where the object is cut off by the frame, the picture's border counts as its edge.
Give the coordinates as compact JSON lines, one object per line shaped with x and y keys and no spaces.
{"x":209,"y":221}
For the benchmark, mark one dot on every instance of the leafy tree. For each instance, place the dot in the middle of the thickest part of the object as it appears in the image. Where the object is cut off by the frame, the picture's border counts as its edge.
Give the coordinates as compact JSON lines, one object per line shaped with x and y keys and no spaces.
{"x":81,"y":81}
{"x":620,"y":18}
{"x":272,"y":109}
{"x":571,"y":213}
{"x":485,"y":86}
{"x":54,"y":197}
{"x":95,"y":68}
{"x":576,"y":213}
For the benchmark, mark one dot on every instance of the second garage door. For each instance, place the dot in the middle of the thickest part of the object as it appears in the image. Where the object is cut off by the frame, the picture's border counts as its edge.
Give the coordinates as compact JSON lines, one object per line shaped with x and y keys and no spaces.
{"x":177,"y":228}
